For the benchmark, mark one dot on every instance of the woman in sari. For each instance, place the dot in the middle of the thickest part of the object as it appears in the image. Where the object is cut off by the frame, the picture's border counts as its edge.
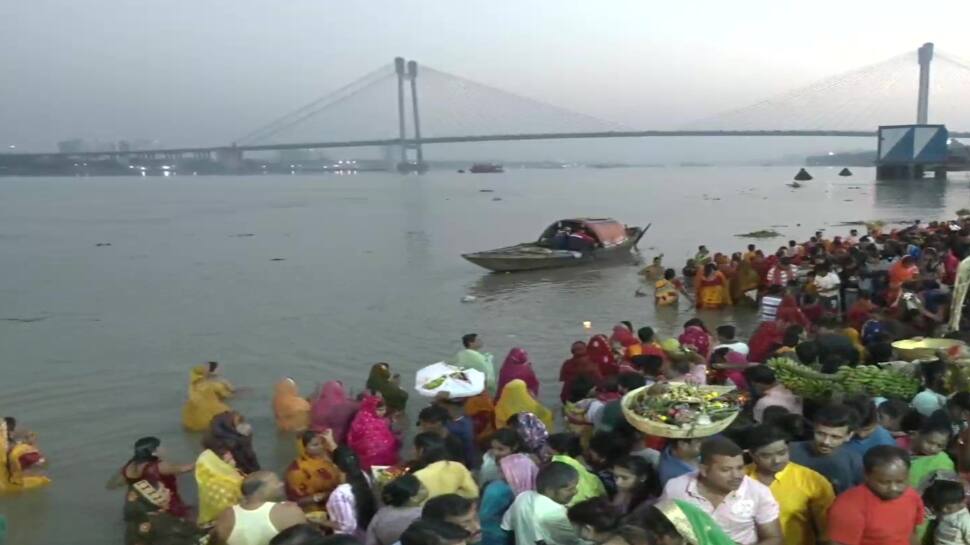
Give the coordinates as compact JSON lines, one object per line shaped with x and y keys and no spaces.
{"x":667,"y":290}
{"x":18,"y":455}
{"x":601,"y":354}
{"x":313,"y":476}
{"x":518,"y":366}
{"x":516,"y":399}
{"x":292,"y":411}
{"x":371,"y":437}
{"x":790,"y":314}
{"x":677,"y":522}
{"x":218,"y":480}
{"x":696,"y":337}
{"x":333,"y":410}
{"x":145,"y":465}
{"x":481,"y":411}
{"x":625,"y":344}
{"x":534,"y":434}
{"x":518,"y":475}
{"x":580,"y":365}
{"x":712,"y":289}
{"x":231,"y":429}
{"x":381,"y":381}
{"x":745,"y":280}
{"x":149,"y":520}
{"x":207,"y":395}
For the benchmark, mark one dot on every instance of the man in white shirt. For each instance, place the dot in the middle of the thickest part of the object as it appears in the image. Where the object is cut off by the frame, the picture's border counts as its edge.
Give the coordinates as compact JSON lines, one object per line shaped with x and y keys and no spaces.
{"x":828,"y":282}
{"x":725,"y":339}
{"x":539,"y":516}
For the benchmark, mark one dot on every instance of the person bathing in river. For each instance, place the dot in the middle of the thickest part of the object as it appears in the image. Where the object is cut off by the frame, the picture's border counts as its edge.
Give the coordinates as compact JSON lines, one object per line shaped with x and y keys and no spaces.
{"x":668,"y":289}
{"x":18,"y":457}
{"x":207,"y":395}
{"x":712,"y":289}
{"x":146,"y":465}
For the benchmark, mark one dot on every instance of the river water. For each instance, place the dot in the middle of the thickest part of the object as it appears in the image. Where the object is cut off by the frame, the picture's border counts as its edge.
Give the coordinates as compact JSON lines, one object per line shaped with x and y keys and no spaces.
{"x":339,"y":272}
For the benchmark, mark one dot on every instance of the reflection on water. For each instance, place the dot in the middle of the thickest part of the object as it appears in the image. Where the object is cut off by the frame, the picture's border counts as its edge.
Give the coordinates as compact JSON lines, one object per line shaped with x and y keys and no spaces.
{"x":927,"y":194}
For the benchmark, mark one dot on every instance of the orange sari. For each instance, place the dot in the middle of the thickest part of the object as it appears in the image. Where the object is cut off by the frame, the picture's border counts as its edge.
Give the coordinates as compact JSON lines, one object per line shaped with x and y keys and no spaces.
{"x":713,"y":293}
{"x":482,"y":412}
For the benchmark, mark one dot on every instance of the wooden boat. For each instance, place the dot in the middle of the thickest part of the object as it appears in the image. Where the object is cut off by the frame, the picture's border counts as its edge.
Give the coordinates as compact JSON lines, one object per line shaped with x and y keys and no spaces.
{"x":602,"y":239}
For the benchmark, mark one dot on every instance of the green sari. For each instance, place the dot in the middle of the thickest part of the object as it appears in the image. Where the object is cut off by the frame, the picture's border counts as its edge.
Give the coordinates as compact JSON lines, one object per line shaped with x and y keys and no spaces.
{"x":693,"y":524}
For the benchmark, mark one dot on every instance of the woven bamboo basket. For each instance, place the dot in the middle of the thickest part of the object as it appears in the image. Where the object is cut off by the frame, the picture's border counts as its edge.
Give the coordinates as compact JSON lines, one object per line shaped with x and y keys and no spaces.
{"x":675,"y":431}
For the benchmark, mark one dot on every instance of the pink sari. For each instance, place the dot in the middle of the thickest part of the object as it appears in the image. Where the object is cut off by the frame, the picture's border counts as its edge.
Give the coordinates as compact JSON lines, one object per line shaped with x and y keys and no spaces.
{"x":370,"y":436}
{"x":333,"y":410}
{"x":518,"y":366}
{"x":520,"y":472}
{"x":695,"y":337}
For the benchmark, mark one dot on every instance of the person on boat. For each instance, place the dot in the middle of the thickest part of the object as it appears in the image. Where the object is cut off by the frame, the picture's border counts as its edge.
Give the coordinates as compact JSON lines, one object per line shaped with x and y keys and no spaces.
{"x":149,"y":519}
{"x":516,"y":399}
{"x":518,"y":366}
{"x":333,"y":410}
{"x":217,"y":479}
{"x":712,"y":289}
{"x":581,"y":241}
{"x":230,"y":428}
{"x":146,"y":465}
{"x":402,"y":499}
{"x":371,"y":435}
{"x":601,"y":353}
{"x":381,"y":381}
{"x":579,"y":365}
{"x":313,"y":475}
{"x":19,"y":459}
{"x":292,"y":412}
{"x":472,"y":357}
{"x":207,"y":395}
{"x":667,"y":290}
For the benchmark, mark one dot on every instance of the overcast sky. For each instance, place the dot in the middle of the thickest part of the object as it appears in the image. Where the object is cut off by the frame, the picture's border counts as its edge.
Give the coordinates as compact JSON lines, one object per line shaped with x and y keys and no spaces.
{"x":207,"y":71}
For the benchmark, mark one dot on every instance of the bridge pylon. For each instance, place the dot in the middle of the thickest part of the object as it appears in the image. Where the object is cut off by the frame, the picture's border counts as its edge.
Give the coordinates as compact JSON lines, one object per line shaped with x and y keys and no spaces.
{"x":408,"y":72}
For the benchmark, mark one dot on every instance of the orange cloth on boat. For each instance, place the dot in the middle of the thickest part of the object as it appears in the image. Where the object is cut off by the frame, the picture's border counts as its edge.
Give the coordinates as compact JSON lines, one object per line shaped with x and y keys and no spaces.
{"x":292,"y":411}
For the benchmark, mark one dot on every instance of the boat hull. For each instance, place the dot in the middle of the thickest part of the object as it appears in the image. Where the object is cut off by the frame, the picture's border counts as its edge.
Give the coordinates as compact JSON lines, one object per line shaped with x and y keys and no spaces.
{"x":531,"y":257}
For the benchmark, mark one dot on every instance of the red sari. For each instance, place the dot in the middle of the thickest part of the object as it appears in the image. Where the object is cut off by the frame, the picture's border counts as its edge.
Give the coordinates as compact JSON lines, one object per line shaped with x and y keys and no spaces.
{"x":695,"y":337}
{"x":602,"y":355}
{"x":154,"y":476}
{"x":577,"y":366}
{"x":518,"y":366}
{"x":370,"y":436}
{"x":631,"y":346}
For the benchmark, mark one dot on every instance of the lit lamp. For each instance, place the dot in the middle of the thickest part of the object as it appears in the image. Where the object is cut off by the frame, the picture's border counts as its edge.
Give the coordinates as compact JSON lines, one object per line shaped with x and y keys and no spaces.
{"x":587,"y":325}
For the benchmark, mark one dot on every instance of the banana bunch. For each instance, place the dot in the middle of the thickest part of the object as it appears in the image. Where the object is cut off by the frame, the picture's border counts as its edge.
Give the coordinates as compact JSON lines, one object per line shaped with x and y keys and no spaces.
{"x":871,"y":380}
{"x":864,"y":379}
{"x":801,"y":379}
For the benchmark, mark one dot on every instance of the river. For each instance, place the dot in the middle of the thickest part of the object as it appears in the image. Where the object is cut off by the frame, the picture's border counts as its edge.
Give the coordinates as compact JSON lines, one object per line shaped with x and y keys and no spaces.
{"x":317,"y":277}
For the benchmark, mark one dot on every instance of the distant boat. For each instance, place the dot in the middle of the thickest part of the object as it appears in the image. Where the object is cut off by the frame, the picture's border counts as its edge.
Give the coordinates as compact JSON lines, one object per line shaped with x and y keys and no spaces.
{"x":486,"y":168}
{"x":803,"y":175}
{"x":794,"y":185}
{"x":845,"y":172}
{"x":608,"y":240}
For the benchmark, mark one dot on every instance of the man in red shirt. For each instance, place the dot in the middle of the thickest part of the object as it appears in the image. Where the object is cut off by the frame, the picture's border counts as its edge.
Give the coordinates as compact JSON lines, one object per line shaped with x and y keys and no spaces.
{"x":884,"y":510}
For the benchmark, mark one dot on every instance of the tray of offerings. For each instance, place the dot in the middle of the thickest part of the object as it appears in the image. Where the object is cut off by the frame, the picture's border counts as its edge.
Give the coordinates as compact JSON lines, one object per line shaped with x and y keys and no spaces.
{"x":681,"y":411}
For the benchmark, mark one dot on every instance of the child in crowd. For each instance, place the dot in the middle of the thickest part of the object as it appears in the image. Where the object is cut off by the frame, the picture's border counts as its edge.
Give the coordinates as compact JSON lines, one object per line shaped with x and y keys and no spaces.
{"x":946,"y":499}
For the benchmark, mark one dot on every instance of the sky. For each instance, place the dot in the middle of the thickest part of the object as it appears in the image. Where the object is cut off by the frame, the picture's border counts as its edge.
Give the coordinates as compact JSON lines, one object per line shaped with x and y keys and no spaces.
{"x":206,"y":72}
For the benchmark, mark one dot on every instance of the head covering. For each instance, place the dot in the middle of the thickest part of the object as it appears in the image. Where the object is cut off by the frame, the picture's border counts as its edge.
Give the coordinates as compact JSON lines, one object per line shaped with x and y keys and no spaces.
{"x":520,"y":472}
{"x":623,"y":336}
{"x":694,"y":336}
{"x":199,"y":372}
{"x":789,"y":312}
{"x":518,"y":366}
{"x":516,"y":399}
{"x":370,"y":436}
{"x":220,"y":486}
{"x":379,"y":382}
{"x":533,"y":431}
{"x":575,"y":367}
{"x":601,"y":354}
{"x":333,"y":410}
{"x":693,"y":524}
{"x":292,"y":411}
{"x":223,"y":429}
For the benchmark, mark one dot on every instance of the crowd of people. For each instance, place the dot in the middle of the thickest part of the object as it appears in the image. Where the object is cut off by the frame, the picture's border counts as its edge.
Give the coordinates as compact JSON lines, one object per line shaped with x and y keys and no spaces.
{"x":500,"y":468}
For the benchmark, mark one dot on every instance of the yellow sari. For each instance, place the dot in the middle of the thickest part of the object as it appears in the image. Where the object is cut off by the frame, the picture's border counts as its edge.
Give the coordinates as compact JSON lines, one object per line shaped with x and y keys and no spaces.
{"x":220,"y":486}
{"x":665,"y":293}
{"x":12,"y":477}
{"x":206,"y":397}
{"x":516,"y":399}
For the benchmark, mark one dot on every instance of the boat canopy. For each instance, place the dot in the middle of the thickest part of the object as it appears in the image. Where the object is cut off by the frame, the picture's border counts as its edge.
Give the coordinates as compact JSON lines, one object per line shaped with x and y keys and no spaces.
{"x":607,"y":231}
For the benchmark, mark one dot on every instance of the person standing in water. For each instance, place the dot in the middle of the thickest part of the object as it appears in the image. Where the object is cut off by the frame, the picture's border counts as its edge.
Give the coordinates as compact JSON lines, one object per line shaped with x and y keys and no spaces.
{"x":472,"y":357}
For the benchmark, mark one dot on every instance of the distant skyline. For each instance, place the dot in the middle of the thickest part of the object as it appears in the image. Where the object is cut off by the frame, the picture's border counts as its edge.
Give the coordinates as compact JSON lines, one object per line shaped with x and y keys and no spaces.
{"x":202,"y":73}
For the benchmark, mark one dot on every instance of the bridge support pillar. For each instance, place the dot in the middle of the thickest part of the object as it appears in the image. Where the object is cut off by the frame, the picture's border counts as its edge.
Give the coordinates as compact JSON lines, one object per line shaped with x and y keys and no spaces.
{"x":925,"y":54}
{"x":231,"y":159}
